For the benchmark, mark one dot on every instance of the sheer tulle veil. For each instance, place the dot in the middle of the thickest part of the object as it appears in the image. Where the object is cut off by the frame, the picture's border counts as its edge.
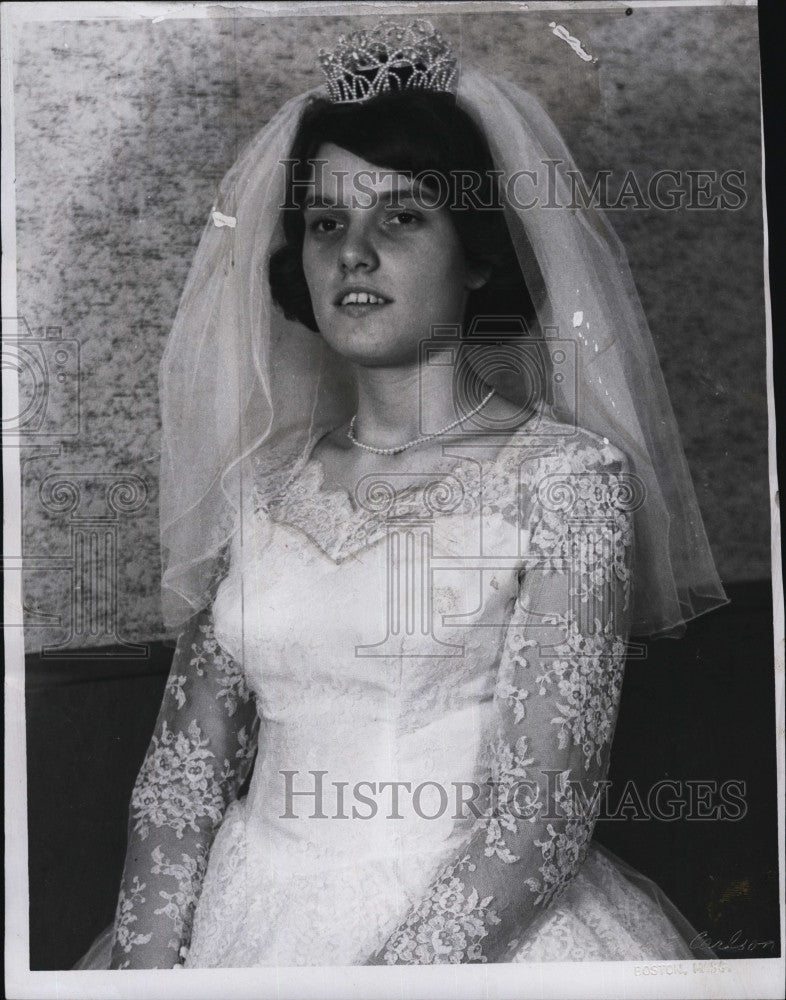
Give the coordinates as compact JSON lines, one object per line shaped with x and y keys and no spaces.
{"x":239,"y":381}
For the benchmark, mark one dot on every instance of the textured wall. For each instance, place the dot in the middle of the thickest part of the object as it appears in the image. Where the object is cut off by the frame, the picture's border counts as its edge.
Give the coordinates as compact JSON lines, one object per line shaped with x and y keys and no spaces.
{"x":124,"y":128}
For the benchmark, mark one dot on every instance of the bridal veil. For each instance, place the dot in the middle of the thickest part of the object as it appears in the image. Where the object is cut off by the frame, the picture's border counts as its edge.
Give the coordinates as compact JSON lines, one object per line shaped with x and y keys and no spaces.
{"x":238,"y":379}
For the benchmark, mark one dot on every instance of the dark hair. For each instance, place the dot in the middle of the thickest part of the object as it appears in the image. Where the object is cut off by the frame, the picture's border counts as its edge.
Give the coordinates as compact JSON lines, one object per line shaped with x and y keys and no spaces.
{"x":415,"y":132}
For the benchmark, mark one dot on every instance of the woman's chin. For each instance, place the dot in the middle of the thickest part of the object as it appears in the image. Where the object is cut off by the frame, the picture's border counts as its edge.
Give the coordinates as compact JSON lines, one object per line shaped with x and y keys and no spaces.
{"x":371,"y":347}
{"x":368,"y":357}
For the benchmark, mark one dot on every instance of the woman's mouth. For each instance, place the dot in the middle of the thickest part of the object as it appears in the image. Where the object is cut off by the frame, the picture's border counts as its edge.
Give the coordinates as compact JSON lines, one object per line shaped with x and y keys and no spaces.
{"x":360,"y":302}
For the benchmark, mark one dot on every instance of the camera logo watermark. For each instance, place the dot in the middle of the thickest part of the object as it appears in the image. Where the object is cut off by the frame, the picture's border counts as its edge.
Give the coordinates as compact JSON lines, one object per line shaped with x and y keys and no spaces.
{"x":47,"y":371}
{"x":532,"y":371}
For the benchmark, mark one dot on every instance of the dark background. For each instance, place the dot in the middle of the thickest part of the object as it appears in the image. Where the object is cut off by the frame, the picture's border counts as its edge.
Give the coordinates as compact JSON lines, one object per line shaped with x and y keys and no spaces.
{"x":699,"y":708}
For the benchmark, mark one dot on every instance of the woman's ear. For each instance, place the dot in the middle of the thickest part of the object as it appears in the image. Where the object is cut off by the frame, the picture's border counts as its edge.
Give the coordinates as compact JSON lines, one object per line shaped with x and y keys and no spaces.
{"x":478,"y":274}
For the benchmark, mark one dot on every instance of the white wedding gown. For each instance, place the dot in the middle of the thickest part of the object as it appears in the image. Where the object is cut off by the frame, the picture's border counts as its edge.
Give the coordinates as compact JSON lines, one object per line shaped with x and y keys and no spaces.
{"x":468,"y":627}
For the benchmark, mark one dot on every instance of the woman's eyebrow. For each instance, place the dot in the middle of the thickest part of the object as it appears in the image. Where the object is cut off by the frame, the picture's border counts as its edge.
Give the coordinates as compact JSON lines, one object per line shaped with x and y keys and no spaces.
{"x":400,"y":193}
{"x":319,"y":200}
{"x":360,"y":198}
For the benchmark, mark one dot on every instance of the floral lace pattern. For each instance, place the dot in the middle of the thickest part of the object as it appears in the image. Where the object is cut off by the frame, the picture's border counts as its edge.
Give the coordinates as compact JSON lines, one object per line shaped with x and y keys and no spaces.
{"x":601,"y":916}
{"x":557,"y":691}
{"x":509,"y":776}
{"x":328,"y":517}
{"x":447,"y":926}
{"x":178,"y":784}
{"x":587,"y":673}
{"x":565,"y":847}
{"x":232,"y":687}
{"x":125,"y":935}
{"x":505,"y":689}
{"x":179,"y":904}
{"x":558,"y":682}
{"x":200,"y":753}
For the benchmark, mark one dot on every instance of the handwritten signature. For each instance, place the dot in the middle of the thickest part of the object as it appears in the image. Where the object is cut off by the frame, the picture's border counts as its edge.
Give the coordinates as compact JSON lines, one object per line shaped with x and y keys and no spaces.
{"x":737,"y":943}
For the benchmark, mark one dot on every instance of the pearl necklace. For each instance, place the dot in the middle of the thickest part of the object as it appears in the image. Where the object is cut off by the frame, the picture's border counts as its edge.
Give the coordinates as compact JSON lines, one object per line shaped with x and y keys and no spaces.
{"x":419,"y":440}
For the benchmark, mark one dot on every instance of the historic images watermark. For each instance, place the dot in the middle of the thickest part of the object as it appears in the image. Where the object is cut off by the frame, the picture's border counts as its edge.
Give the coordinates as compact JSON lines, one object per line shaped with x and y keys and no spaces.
{"x":548,"y":187}
{"x":310,"y":794}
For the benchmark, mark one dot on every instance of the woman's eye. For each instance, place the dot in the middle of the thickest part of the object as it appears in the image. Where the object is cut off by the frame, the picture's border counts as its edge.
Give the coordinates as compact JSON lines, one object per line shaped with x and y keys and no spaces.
{"x":404,"y":219}
{"x":326,"y":224}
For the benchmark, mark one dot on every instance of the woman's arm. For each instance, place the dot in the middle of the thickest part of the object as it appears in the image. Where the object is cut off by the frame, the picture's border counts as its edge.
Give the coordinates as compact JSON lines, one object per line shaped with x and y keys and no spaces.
{"x":201,"y":751}
{"x":557,"y":695}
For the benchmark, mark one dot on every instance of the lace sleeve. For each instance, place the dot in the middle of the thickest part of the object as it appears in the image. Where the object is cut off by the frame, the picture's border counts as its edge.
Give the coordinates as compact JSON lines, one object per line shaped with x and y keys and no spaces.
{"x":200,"y":753}
{"x":557,"y":694}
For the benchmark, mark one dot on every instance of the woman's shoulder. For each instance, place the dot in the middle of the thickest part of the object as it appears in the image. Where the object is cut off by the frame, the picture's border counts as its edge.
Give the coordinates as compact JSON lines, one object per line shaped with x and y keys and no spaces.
{"x":552,"y":468}
{"x":546,"y":437}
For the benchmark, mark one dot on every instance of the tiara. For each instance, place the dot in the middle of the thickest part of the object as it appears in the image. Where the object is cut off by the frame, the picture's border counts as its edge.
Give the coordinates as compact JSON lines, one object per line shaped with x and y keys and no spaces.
{"x":388,"y":57}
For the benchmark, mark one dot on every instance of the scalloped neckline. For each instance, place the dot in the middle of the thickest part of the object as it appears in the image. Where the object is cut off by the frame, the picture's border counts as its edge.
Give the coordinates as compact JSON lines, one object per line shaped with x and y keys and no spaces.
{"x":350,"y":539}
{"x":311,"y":473}
{"x":459,"y":464}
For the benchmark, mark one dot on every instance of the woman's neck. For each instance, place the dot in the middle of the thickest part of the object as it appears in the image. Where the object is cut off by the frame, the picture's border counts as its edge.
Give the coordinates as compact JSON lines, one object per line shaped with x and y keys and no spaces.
{"x":396,"y":405}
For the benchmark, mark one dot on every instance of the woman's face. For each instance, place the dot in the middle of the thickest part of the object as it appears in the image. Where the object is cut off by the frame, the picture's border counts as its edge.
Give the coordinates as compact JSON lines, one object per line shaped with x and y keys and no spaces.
{"x":380,"y":241}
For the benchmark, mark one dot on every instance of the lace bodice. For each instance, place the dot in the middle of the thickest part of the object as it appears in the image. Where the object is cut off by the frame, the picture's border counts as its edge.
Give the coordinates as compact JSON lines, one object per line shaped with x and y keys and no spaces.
{"x":460,"y":639}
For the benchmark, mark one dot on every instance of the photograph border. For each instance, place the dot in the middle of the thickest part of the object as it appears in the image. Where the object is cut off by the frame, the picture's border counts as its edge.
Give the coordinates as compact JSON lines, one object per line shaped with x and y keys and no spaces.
{"x":738,"y":978}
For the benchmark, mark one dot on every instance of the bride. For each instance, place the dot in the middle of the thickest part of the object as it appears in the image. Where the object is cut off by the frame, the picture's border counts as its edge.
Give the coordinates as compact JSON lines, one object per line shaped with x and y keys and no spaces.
{"x":421,"y":482}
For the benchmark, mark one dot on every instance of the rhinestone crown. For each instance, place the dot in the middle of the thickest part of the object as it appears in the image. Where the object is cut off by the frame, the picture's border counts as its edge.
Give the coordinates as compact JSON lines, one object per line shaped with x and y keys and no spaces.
{"x":388,"y":57}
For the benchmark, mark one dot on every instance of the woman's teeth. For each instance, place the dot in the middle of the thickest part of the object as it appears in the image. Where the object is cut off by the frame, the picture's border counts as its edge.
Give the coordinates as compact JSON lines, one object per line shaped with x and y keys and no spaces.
{"x":362,"y":299}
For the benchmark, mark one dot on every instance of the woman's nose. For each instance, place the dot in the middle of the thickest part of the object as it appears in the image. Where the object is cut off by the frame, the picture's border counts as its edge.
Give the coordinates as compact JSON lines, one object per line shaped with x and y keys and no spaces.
{"x":357,"y":251}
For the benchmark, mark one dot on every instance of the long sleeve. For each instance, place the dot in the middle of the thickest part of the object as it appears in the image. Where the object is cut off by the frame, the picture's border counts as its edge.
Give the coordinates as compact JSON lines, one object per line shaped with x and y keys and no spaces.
{"x":201,"y":751}
{"x":557,"y":694}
